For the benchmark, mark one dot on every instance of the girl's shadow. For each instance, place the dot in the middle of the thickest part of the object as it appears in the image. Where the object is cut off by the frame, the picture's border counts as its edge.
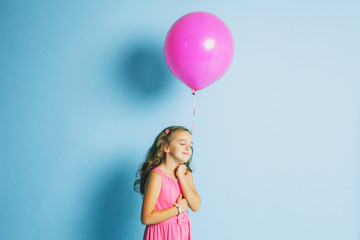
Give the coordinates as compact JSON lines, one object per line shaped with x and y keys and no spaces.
{"x":115,"y":209}
{"x":141,"y":72}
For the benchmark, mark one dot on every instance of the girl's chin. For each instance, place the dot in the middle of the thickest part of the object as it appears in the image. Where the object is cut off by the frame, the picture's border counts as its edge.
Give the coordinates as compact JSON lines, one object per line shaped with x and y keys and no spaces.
{"x":183,"y":161}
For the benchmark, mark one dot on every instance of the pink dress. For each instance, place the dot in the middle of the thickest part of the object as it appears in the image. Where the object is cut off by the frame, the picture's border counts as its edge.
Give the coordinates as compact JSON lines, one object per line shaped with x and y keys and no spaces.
{"x":175,"y":228}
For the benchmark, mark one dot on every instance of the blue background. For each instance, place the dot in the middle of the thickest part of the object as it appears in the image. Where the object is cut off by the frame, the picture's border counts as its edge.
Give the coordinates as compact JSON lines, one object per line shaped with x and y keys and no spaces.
{"x":85,"y":90}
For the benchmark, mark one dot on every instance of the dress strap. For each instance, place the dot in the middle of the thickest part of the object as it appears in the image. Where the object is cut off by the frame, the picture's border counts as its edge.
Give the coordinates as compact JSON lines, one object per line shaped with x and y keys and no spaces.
{"x":156,"y":170}
{"x":159,"y":171}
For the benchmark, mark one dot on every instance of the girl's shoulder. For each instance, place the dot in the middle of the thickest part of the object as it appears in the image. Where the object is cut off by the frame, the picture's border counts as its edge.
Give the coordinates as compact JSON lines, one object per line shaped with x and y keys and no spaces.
{"x":159,"y":170}
{"x":154,"y":178}
{"x":153,"y":183}
{"x":156,"y":171}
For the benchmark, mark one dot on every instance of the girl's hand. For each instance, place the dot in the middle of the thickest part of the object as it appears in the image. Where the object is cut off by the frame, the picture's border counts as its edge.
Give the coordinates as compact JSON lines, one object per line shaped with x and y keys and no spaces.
{"x":183,"y":204}
{"x":180,"y":171}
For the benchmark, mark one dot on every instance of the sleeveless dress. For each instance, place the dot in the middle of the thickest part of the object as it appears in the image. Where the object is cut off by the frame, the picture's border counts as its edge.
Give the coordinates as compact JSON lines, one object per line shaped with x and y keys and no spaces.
{"x":175,"y":228}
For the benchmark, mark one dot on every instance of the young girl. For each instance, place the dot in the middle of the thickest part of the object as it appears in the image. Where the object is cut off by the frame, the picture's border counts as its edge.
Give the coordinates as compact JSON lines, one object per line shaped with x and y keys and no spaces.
{"x":167,"y":186}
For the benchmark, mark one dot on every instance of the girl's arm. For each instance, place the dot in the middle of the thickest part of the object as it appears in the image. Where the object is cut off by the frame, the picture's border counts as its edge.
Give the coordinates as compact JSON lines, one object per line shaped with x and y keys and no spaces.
{"x":152,"y":190}
{"x":188,"y":188}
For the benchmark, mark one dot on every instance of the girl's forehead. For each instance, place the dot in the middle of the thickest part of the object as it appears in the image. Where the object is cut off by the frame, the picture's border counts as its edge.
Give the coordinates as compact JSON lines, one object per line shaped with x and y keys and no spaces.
{"x":183,"y":135}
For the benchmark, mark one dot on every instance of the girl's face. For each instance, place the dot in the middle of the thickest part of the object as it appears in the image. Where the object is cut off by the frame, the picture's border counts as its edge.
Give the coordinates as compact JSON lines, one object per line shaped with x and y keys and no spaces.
{"x":180,"y":148}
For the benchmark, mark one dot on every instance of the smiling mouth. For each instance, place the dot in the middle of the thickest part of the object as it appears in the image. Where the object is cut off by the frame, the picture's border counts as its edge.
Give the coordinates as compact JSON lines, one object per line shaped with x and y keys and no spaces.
{"x":186,"y":153}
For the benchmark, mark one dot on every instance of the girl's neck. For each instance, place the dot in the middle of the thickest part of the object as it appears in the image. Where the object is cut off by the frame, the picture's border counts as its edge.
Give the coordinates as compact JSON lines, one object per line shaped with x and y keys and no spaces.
{"x":169,"y":167}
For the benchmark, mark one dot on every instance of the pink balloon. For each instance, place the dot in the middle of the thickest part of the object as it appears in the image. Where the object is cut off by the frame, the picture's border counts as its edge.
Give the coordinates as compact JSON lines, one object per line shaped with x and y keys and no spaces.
{"x":199,"y":49}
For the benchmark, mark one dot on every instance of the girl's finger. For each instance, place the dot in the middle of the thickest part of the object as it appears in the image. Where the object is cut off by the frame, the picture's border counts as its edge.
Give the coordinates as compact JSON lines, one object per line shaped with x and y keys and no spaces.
{"x":180,"y":196}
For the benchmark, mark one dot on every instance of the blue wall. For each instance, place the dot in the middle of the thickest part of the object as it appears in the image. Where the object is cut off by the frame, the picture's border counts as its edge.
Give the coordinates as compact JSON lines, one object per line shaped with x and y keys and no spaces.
{"x":85,"y":89}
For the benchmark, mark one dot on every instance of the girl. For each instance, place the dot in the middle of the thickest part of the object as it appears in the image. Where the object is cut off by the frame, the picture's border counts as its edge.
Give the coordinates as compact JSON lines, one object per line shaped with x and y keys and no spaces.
{"x":167,"y":186}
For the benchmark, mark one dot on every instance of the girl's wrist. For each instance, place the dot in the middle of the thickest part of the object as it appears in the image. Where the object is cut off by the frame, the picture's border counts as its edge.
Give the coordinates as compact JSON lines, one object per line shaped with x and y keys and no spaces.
{"x":178,"y":209}
{"x":181,"y":176}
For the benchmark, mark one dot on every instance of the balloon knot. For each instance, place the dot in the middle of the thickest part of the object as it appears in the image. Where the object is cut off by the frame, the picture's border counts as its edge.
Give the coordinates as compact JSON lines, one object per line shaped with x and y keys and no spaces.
{"x":193,"y":91}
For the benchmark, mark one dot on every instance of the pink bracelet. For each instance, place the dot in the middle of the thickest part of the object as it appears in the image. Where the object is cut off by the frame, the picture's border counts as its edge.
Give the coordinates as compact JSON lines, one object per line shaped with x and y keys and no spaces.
{"x":178,"y":208}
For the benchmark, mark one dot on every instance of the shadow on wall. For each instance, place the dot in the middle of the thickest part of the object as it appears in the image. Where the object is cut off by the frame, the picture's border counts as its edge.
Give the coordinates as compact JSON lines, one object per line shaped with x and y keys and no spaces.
{"x":141,"y":71}
{"x":114,"y":211}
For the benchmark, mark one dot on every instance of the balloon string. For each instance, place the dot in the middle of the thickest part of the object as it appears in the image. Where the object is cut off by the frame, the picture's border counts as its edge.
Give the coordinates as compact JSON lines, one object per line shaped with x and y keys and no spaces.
{"x":194,"y":93}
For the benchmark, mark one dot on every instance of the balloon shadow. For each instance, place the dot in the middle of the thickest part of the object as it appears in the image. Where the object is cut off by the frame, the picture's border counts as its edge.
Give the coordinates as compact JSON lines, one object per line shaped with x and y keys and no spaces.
{"x":142,"y":71}
{"x":114,"y":211}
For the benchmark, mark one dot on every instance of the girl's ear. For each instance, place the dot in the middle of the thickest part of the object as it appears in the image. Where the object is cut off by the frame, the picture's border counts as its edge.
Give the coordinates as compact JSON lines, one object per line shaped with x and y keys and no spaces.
{"x":166,"y":148}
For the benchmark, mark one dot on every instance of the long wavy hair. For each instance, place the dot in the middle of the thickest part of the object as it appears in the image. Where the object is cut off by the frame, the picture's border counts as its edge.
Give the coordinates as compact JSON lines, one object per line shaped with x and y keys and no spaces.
{"x":156,"y":155}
